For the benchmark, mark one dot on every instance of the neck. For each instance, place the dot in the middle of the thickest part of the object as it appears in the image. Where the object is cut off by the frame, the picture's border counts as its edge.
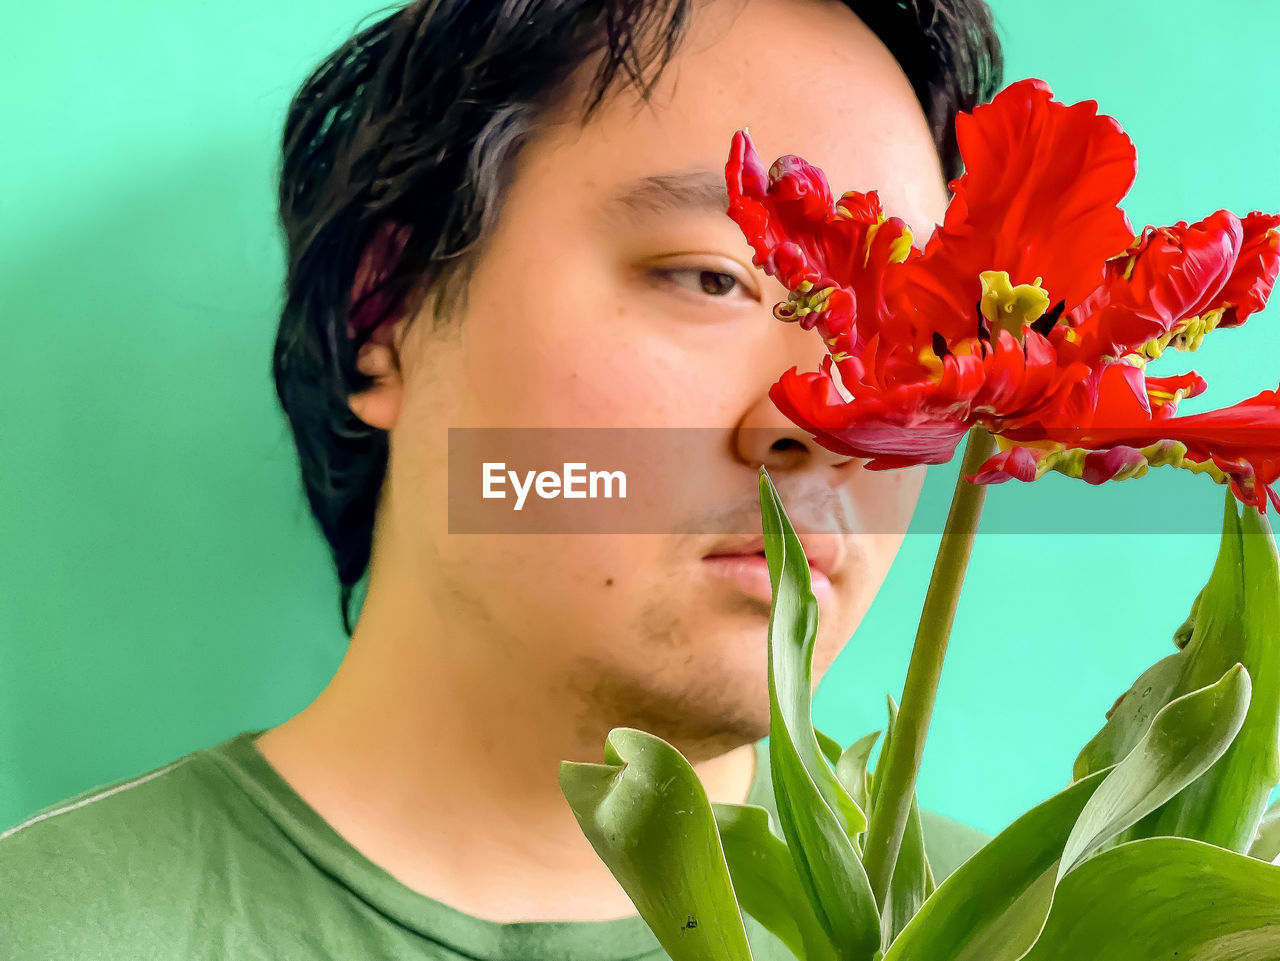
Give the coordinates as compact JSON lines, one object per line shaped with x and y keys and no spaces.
{"x":445,"y":774}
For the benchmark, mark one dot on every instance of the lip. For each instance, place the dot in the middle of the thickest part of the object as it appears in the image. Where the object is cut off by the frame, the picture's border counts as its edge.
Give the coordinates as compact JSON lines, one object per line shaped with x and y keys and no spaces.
{"x":742,"y":561}
{"x":825,"y":552}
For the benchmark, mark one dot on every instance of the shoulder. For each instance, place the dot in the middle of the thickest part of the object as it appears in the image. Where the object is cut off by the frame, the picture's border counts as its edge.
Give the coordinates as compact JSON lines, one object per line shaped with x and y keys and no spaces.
{"x":80,"y":877}
{"x":98,"y":818}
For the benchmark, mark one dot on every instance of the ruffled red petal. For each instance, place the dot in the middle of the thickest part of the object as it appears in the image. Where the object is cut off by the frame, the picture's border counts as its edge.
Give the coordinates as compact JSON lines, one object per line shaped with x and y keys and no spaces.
{"x":1039,"y":198}
{"x":1016,"y":463}
{"x":882,"y":428}
{"x":1171,"y":274}
{"x":1256,"y":267}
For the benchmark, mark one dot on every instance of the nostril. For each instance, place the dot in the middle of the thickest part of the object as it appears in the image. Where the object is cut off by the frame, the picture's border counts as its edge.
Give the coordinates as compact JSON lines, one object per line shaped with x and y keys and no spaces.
{"x":786,"y":444}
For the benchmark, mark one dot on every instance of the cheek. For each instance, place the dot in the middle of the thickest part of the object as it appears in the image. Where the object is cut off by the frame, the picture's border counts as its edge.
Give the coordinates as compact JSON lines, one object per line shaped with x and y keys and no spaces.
{"x":880,"y":504}
{"x":568,"y":360}
{"x":561,"y":598}
{"x":564,"y":342}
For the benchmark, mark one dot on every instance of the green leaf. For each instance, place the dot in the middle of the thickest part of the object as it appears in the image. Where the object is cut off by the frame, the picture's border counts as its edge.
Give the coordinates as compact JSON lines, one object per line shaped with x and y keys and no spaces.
{"x":1235,"y":619}
{"x":994,"y":905}
{"x":766,"y":882}
{"x":1167,"y":898}
{"x":851,"y":770}
{"x":878,"y":774}
{"x":1131,"y":717}
{"x":1266,"y":842}
{"x":912,"y":880}
{"x":1186,"y":736}
{"x":647,"y":815}
{"x":818,"y":817}
{"x":1225,"y":806}
{"x":829,"y":746}
{"x":949,"y":842}
{"x":793,"y":619}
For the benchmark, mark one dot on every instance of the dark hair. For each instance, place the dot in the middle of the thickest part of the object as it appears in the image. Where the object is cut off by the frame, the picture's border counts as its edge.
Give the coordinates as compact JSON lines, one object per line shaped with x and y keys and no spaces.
{"x":395,"y":154}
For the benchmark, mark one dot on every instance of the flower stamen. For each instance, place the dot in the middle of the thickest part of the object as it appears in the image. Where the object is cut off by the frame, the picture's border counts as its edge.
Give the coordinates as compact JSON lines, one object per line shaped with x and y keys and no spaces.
{"x":803,"y":301}
{"x":1009,"y":307}
{"x":1186,"y":335}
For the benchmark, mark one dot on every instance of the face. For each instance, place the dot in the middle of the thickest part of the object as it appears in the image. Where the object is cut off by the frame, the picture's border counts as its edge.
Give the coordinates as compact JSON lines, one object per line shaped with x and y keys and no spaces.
{"x":616,"y":293}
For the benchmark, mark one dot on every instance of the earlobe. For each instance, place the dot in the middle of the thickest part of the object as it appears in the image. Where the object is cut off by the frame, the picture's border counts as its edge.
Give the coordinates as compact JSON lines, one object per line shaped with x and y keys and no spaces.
{"x":379,"y":405}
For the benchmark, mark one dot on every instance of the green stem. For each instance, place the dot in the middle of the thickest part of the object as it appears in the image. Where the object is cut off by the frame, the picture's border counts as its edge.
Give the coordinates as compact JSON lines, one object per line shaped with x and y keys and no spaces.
{"x":905,"y":749}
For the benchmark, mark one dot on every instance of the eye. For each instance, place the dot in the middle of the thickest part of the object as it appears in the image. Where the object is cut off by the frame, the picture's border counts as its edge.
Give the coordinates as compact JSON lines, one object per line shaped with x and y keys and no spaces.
{"x":713,"y":283}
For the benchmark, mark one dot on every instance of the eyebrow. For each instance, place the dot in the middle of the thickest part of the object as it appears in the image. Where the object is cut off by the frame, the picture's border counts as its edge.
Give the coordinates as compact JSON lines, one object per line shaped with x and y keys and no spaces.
{"x":671,"y":192}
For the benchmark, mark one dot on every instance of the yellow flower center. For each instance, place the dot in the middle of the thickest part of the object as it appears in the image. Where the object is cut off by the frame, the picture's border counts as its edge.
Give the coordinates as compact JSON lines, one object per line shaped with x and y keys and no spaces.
{"x":1009,"y":307}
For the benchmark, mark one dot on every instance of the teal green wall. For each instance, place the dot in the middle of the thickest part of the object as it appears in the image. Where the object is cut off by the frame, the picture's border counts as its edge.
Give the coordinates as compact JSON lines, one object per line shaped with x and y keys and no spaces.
{"x":161,"y":587}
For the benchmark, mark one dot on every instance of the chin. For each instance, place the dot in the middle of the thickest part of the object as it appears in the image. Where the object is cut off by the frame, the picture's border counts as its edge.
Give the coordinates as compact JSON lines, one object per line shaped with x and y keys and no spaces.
{"x":727,"y":709}
{"x":699,"y":682}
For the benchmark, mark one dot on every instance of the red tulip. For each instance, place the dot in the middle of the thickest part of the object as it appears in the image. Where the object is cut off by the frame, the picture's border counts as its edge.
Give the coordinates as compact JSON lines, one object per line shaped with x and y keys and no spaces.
{"x":1032,"y":310}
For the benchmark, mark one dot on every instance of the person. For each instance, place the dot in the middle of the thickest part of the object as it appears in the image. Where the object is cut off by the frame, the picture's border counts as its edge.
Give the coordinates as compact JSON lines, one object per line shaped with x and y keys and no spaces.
{"x":507,"y":213}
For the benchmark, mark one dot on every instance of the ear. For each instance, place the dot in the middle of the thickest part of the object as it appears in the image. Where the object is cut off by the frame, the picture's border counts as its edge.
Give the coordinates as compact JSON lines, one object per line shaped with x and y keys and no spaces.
{"x":379,"y":405}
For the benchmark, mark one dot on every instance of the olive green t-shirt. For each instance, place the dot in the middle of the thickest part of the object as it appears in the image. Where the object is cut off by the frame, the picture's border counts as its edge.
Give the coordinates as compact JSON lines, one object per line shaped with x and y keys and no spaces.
{"x":215,"y":856}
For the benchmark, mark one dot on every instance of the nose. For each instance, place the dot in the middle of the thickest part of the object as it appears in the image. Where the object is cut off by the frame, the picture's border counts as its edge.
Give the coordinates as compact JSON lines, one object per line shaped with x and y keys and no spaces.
{"x":766,"y":438}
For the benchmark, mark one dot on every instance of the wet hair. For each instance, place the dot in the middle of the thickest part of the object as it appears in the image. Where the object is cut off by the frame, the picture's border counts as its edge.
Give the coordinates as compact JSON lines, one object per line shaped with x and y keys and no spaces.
{"x":395,"y":154}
